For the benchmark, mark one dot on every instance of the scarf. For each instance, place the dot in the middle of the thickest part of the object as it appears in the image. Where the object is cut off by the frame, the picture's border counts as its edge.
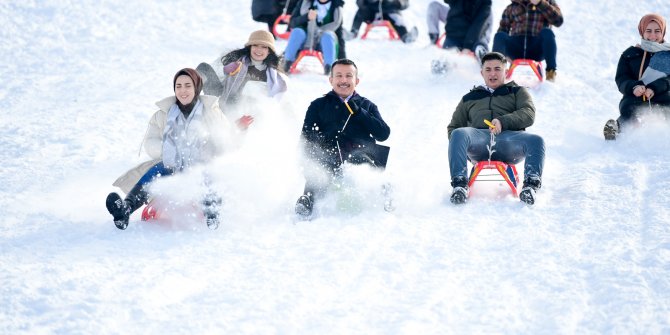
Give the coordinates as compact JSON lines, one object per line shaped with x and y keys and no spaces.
{"x":321,"y":10}
{"x":184,"y":139}
{"x":659,"y":64}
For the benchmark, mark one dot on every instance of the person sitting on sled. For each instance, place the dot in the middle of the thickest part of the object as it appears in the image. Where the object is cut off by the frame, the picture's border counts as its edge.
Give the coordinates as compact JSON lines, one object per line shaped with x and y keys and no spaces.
{"x":467,"y":24}
{"x":342,"y":126}
{"x":267,"y":11}
{"x":525,"y":32}
{"x":510,"y":109}
{"x":316,"y":24}
{"x":249,"y":72}
{"x":370,"y":10}
{"x":187,"y":130}
{"x":642,"y":75}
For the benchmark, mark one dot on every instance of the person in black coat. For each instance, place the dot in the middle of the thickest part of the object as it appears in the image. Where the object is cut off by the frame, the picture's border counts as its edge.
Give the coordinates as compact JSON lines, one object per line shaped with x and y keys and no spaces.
{"x":368,"y":10}
{"x":267,"y":11}
{"x":468,"y":24}
{"x":630,"y":77}
{"x":342,"y":126}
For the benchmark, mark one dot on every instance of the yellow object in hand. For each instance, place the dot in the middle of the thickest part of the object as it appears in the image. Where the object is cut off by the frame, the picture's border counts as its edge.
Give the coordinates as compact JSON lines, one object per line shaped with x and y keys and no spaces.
{"x":488,"y":123}
{"x":349,"y":108}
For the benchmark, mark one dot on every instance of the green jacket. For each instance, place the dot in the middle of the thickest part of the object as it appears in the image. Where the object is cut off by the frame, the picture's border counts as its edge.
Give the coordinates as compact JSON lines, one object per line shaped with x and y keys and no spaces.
{"x":509,"y":103}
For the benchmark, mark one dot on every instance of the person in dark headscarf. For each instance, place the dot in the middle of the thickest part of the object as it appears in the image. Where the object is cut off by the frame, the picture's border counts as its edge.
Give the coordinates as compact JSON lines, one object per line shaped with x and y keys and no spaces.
{"x":641,"y":85}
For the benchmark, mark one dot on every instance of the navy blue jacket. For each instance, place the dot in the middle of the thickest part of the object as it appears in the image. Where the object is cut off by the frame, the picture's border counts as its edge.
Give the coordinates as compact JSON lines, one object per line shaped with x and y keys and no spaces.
{"x":326,"y":117}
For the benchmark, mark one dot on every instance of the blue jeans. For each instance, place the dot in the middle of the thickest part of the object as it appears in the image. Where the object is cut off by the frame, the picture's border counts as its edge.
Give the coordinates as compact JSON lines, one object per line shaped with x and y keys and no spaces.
{"x":154,"y":172}
{"x":540,"y":47}
{"x":327,"y":45}
{"x":469,"y":143}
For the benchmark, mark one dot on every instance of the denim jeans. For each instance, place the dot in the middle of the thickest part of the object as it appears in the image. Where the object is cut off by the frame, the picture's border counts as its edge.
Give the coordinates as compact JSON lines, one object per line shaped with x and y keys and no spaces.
{"x":469,"y":143}
{"x":327,"y":45}
{"x":540,"y":47}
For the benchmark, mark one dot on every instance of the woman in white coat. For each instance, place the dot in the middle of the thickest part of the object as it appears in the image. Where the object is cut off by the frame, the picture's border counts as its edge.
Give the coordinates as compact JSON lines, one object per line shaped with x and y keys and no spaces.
{"x":187,"y":130}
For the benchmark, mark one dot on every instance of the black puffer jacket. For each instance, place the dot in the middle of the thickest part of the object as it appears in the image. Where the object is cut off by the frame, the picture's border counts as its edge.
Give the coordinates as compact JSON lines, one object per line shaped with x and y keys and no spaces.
{"x":628,"y":72}
{"x":388,"y":6}
{"x":325,"y":118}
{"x":468,"y":20}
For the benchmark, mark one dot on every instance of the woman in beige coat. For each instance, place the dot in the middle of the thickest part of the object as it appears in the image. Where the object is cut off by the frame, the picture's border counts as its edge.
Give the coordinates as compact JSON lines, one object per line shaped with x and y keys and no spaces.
{"x":187,"y":130}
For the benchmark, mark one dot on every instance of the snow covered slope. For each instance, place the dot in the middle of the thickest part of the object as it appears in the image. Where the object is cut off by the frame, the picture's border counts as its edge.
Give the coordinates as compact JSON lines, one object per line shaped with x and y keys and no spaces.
{"x":79,"y":84}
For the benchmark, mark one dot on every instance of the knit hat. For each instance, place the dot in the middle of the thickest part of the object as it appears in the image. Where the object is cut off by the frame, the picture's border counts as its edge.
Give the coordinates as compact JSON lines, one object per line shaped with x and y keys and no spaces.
{"x":262,"y":37}
{"x":651,"y":18}
{"x":195,"y":76}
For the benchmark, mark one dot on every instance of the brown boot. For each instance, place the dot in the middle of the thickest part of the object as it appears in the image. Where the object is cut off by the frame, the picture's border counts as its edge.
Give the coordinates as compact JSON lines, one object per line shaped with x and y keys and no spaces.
{"x":551,"y":75}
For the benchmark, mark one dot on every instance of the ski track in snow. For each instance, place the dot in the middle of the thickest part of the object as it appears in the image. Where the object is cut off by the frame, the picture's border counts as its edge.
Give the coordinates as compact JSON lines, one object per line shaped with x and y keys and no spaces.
{"x":80,"y":80}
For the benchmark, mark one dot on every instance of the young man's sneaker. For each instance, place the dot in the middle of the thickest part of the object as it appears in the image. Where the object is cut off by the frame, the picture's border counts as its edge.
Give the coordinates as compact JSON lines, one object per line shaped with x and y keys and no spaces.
{"x":303,"y":206}
{"x":530,"y":186}
{"x":611,"y":129}
{"x":460,"y":193}
{"x":119,"y":210}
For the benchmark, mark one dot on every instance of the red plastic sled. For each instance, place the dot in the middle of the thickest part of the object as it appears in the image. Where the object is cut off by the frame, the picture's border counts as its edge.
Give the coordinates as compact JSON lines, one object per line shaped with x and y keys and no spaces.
{"x":393,"y":35}
{"x":282,"y":20}
{"x":526,"y":72}
{"x":303,"y":54}
{"x":507,"y":171}
{"x":155,"y":211}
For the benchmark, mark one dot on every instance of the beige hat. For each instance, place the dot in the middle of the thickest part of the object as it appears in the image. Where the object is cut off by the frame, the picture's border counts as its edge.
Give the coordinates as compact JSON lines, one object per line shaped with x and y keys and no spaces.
{"x":262,"y":37}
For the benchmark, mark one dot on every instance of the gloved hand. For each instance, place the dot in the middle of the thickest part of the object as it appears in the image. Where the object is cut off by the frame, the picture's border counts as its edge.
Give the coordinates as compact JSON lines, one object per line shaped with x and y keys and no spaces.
{"x":232,"y":68}
{"x":354,"y":107}
{"x":244,"y":122}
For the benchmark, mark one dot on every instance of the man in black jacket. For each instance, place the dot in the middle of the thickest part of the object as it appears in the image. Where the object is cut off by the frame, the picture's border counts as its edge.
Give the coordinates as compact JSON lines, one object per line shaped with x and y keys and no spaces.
{"x":339,"y":127}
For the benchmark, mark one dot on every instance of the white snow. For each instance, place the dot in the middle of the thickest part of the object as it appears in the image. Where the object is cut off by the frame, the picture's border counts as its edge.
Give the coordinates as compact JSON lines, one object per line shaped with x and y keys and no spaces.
{"x":79,"y":82}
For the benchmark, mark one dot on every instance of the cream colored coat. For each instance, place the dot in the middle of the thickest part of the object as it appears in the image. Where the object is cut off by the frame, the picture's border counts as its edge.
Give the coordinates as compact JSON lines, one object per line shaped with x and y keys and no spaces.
{"x":219,"y":127}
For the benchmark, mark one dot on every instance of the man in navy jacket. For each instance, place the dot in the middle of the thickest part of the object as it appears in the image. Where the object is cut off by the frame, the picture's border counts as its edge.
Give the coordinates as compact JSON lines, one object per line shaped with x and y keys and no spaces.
{"x":339,"y":127}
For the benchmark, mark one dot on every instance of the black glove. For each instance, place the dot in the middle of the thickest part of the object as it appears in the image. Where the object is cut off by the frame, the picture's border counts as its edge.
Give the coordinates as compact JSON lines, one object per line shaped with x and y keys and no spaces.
{"x":354,"y":107}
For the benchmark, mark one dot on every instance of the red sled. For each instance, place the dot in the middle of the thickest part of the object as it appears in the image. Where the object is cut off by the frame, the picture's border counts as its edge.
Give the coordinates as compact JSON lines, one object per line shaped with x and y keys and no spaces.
{"x":306,"y":53}
{"x":282,"y":20}
{"x":526,"y":72}
{"x":507,"y":171}
{"x":156,"y":211}
{"x":393,"y":35}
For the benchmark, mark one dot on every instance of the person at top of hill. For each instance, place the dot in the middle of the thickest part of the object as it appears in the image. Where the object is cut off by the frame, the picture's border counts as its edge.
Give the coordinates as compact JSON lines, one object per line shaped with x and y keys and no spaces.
{"x":390,"y":10}
{"x":468,"y":24}
{"x":525,"y":32}
{"x":316,"y":24}
{"x":267,"y":11}
{"x":642,"y":75}
{"x":189,"y":129}
{"x":342,"y":126}
{"x":249,"y":73}
{"x":511,"y":110}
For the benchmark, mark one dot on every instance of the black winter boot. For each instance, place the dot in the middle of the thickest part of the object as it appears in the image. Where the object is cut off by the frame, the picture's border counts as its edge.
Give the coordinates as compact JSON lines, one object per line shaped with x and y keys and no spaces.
{"x":121,"y":209}
{"x":287,"y":66}
{"x":461,"y":191}
{"x":304,"y":205}
{"x":531,"y":184}
{"x":611,"y":129}
{"x":433,"y":37}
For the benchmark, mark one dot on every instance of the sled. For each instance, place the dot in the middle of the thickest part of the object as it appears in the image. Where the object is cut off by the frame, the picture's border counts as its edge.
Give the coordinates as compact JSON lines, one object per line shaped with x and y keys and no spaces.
{"x":157,"y":211}
{"x":282,"y":20}
{"x":526,"y":72}
{"x":306,"y":53}
{"x":440,"y":40}
{"x":393,"y":35}
{"x":507,"y":171}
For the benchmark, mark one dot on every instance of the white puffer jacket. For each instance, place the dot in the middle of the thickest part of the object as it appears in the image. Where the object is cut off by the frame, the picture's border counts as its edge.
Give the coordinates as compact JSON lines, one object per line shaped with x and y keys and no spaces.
{"x":218,"y":126}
